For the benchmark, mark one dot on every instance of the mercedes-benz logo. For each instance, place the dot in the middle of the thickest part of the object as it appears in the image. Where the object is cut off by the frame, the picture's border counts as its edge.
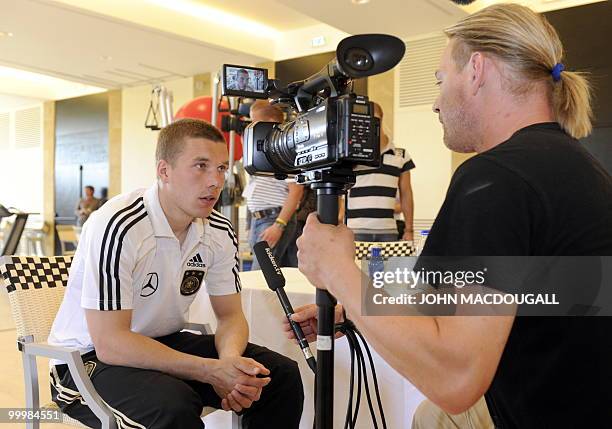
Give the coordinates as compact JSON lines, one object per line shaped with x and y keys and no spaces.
{"x":150,"y":285}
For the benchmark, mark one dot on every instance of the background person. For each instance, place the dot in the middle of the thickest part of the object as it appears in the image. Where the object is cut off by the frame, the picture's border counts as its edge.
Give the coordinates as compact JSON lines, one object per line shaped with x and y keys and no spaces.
{"x":307,"y":205}
{"x":86,"y":205}
{"x":370,"y":211}
{"x":272,"y":203}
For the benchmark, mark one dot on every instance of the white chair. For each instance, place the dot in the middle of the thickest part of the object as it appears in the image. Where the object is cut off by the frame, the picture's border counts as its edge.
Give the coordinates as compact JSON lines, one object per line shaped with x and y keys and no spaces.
{"x":36,"y":288}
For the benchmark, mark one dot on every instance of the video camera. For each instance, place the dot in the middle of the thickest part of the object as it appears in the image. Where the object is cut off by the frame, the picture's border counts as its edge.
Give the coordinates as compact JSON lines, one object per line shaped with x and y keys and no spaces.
{"x":334,"y":128}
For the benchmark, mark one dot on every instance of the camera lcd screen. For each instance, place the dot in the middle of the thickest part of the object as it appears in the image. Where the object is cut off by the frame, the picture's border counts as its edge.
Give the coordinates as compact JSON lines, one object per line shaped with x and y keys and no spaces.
{"x":362,"y":109}
{"x":245,"y":81}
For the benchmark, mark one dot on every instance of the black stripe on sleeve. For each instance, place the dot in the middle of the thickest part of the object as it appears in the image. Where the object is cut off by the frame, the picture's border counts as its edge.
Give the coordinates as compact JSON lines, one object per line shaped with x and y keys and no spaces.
{"x":237,"y":278}
{"x":370,"y":213}
{"x":103,"y":248}
{"x":222,"y":221}
{"x":409,"y":165}
{"x":227,"y":230}
{"x":230,"y":233}
{"x":117,"y":259}
{"x":373,"y":191}
{"x":220,"y":218}
{"x":111,"y":252}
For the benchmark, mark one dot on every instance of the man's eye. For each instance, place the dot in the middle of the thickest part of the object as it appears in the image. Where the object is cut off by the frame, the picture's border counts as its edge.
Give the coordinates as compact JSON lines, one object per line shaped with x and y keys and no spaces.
{"x":223,"y":168}
{"x":201,"y":165}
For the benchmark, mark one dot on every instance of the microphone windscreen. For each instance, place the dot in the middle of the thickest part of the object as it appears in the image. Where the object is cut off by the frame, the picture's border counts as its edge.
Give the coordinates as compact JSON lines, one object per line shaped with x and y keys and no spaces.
{"x":270,"y":269}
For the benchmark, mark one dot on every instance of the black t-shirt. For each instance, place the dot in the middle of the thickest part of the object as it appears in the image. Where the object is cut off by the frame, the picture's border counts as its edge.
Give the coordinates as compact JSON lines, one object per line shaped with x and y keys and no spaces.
{"x":540,"y":193}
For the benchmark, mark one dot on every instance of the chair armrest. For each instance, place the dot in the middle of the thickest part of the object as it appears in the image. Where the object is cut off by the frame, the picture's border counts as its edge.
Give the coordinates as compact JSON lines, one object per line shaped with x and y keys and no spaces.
{"x":72,"y":357}
{"x":203,"y":328}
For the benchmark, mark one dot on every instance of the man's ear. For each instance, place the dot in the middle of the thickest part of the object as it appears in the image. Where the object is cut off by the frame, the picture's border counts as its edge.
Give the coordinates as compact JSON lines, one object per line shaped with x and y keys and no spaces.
{"x":163,"y":168}
{"x":477,"y":67}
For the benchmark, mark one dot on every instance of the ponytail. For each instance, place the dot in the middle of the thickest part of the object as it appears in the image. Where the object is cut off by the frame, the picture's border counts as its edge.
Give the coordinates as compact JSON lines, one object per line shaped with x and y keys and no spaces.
{"x":572,"y":104}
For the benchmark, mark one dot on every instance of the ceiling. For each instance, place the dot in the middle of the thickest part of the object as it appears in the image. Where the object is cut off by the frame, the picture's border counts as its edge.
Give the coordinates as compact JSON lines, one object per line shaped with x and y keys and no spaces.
{"x":20,"y":83}
{"x":55,"y":40}
{"x":102,"y":44}
{"x":402,"y":18}
{"x":269,"y":12}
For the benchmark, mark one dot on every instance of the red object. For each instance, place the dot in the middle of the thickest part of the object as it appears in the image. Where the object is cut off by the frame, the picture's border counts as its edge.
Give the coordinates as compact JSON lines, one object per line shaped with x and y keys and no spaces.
{"x":201,"y":108}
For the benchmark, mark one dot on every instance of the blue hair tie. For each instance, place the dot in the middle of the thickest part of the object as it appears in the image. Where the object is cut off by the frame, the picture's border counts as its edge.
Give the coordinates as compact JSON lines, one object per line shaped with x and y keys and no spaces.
{"x":556,"y":72}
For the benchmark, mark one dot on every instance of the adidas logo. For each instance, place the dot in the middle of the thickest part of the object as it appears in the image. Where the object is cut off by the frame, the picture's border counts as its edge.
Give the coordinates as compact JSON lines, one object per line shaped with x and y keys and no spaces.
{"x":196,"y":262}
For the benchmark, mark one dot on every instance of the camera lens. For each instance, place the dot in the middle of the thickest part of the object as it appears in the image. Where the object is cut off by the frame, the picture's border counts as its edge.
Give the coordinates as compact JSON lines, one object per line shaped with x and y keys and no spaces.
{"x":359,"y":59}
{"x":280,"y":148}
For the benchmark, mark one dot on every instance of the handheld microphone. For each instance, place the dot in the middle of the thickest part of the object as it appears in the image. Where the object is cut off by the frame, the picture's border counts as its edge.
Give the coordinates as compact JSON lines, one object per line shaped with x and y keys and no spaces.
{"x":276,"y":281}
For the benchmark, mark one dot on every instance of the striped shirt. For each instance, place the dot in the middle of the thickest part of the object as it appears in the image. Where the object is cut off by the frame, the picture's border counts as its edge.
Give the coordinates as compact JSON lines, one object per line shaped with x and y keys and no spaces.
{"x":128,"y":258}
{"x":371,"y":202}
{"x":265,"y":193}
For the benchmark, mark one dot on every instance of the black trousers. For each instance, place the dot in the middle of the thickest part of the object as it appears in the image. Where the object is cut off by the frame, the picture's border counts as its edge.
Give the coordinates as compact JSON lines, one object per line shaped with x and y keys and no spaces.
{"x":143,"y":398}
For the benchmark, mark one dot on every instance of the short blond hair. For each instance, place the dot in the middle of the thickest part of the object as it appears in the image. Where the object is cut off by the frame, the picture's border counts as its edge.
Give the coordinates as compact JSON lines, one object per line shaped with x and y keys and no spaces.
{"x":530,"y":48}
{"x":172,"y":138}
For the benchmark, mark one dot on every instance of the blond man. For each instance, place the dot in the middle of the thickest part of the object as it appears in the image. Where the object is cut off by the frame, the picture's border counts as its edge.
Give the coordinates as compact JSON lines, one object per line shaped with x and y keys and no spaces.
{"x":532,"y":189}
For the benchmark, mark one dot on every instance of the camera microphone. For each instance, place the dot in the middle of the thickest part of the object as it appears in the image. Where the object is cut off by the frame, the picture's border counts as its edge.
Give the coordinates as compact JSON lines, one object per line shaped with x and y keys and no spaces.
{"x":276,"y":281}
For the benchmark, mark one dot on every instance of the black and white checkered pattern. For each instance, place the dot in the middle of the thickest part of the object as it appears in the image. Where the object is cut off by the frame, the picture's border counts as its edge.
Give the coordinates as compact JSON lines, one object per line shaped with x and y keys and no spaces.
{"x":389,"y":249}
{"x":24,"y":272}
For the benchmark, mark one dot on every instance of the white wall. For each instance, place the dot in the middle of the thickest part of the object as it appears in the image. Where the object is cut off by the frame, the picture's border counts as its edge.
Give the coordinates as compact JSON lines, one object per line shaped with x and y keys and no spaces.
{"x":298,"y":43}
{"x":138,"y":142}
{"x":21,"y":171}
{"x":417,"y":127}
{"x":418,"y":130}
{"x":21,"y":179}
